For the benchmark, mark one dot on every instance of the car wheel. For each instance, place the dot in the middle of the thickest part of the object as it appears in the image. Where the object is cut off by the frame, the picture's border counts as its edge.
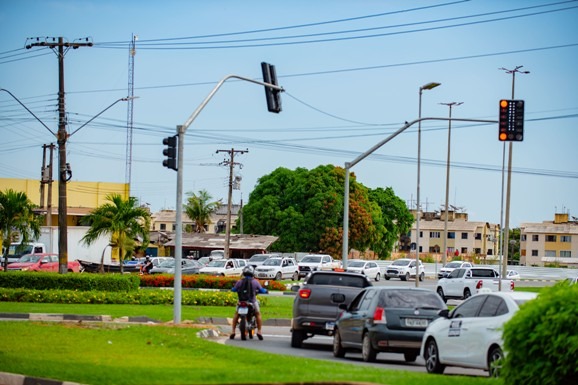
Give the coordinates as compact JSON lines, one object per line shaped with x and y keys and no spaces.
{"x":297,"y":337}
{"x":432,"y":358}
{"x":278,"y":276}
{"x":440,"y":292}
{"x":495,"y":361}
{"x":409,"y":357}
{"x":367,"y":351}
{"x":338,"y":350}
{"x":467,"y":293}
{"x":405,"y":277}
{"x":386,"y":278}
{"x":377,"y":277}
{"x":295,"y":277}
{"x":421,"y":276}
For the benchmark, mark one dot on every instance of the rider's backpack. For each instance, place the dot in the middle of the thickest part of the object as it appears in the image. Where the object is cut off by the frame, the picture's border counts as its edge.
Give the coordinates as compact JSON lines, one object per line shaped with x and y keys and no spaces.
{"x":244,"y":291}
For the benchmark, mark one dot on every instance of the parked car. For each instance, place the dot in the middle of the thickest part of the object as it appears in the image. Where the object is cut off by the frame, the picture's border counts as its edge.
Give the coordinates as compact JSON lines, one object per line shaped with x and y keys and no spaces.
{"x":168,"y":266}
{"x":386,"y":319}
{"x":404,"y":269}
{"x":369,"y":268}
{"x":258,"y":259}
{"x":277,"y":269}
{"x":470,"y":335}
{"x":223,"y":267}
{"x":42,"y":262}
{"x":451,"y":266}
{"x":512,"y":274}
{"x":192,"y":268}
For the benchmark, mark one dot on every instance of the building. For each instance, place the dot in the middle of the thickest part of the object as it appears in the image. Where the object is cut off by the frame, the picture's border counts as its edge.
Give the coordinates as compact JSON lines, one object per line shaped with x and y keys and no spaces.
{"x":465,"y":239}
{"x":550,"y":242}
{"x":165,"y":220}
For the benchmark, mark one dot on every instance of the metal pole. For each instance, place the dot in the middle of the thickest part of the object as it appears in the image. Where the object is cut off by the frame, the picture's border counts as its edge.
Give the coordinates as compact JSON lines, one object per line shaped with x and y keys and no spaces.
{"x":345,"y":248}
{"x":417,"y":213}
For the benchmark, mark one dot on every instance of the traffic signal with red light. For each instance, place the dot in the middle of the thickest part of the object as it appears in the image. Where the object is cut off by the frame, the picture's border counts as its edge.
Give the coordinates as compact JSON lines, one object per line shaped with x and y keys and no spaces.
{"x":511,"y":121}
{"x":170,"y":152}
{"x":273,"y":96}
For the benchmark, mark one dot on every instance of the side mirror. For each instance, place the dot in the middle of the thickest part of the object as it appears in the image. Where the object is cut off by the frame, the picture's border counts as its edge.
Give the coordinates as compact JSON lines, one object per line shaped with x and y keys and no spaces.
{"x":342,"y":306}
{"x":444,"y":313}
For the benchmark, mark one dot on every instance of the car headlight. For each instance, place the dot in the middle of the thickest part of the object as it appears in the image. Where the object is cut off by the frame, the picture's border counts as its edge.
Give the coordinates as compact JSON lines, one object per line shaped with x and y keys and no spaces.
{"x":25,"y":269}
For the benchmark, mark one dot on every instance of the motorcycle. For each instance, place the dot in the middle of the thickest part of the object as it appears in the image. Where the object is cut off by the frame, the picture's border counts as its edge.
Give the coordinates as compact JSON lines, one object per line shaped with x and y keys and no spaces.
{"x":247,"y":322}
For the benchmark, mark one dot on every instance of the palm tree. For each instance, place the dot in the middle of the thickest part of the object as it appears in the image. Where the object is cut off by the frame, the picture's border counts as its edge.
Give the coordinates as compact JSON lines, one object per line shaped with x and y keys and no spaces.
{"x":17,"y":216}
{"x":120,"y":219}
{"x":199,"y":209}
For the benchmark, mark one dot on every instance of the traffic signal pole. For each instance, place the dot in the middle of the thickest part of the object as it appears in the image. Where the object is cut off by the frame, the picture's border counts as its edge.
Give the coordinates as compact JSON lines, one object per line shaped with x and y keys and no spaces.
{"x":181,"y":130}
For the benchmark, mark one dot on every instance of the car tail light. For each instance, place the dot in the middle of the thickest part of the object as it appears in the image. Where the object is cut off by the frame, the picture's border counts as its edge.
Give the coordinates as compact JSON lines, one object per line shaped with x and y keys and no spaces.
{"x":512,"y":285}
{"x":304,"y":293}
{"x":480,"y":284}
{"x":379,"y":316}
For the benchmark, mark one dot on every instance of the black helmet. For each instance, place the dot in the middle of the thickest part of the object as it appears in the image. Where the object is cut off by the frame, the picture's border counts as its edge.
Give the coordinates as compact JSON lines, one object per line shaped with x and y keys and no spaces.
{"x":248,"y":271}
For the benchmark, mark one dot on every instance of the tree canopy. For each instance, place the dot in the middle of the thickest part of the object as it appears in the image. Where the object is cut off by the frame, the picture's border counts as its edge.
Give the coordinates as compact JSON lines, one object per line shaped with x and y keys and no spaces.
{"x":199,"y":209}
{"x":304,"y":208}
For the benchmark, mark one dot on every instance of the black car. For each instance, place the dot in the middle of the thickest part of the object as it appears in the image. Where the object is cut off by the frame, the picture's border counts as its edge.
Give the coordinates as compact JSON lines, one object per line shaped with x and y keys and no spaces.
{"x":386,"y":319}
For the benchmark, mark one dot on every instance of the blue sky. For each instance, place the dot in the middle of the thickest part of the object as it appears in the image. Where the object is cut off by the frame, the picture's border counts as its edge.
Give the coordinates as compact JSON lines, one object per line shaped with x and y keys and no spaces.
{"x":351,"y":70}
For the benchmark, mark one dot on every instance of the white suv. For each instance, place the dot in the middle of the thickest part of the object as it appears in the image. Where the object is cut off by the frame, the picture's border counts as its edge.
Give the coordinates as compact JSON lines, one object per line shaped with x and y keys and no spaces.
{"x":278,"y":268}
{"x":404,"y":269}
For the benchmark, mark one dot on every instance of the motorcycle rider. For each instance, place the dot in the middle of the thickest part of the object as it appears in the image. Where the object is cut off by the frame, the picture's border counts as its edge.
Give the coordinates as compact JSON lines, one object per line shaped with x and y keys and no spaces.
{"x":255,"y":287}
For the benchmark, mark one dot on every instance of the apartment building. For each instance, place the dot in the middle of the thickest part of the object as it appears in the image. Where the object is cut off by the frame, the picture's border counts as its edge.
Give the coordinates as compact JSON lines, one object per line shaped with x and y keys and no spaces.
{"x":550,"y":242}
{"x":165,"y":220}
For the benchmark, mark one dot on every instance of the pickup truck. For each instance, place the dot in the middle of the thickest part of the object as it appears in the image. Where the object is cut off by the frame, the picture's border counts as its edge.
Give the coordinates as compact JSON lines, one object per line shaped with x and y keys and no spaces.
{"x":316,"y":305}
{"x":465,"y":282}
{"x":17,"y":250}
{"x":224,"y":267}
{"x":316,"y":262}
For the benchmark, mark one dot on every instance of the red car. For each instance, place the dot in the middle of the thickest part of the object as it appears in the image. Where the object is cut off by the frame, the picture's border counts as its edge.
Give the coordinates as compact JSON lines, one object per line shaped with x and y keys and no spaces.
{"x":41,"y":262}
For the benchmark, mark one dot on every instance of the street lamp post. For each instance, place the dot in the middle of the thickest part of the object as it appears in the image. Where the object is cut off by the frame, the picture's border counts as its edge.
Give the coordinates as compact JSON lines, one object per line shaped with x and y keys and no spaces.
{"x":445,"y":249}
{"x":427,"y":86}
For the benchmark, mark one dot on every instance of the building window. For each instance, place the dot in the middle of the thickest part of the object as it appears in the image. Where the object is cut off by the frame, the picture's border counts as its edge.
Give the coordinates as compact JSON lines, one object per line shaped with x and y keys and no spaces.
{"x":163,"y":226}
{"x":550,"y":253}
{"x":421,"y":235}
{"x":478,"y":236}
{"x":565,"y":254}
{"x":477,"y":250}
{"x":464,"y":250}
{"x":535,"y":237}
{"x":464,"y":235}
{"x":566,"y":238}
{"x":550,"y":238}
{"x":452,"y":235}
{"x":534,"y":253}
{"x":523,"y":238}
{"x":434,"y":234}
{"x":174,"y":226}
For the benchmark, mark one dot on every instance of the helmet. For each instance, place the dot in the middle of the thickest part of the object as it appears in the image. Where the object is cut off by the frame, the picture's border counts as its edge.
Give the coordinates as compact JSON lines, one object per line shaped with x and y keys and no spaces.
{"x":248,"y":271}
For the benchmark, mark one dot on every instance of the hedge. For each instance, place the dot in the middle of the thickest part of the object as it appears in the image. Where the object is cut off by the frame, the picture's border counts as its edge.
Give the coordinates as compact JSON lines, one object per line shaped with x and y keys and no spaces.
{"x":69,"y":281}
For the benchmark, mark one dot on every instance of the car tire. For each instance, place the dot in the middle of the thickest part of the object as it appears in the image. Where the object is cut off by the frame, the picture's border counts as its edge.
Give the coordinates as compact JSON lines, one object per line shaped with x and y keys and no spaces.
{"x":467,"y":293}
{"x":377,"y":277}
{"x":297,"y":338}
{"x":405,"y":277}
{"x":421,"y":276}
{"x":338,"y":350}
{"x":495,"y":361}
{"x":278,"y":276}
{"x":367,"y":351}
{"x":440,"y":292}
{"x":410,"y":357}
{"x":386,"y":278}
{"x":432,"y":357}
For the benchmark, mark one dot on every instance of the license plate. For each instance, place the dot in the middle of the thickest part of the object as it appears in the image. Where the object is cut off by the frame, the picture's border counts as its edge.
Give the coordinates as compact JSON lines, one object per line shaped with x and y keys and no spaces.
{"x":416,"y":323}
{"x":329,"y":325}
{"x":243,"y":310}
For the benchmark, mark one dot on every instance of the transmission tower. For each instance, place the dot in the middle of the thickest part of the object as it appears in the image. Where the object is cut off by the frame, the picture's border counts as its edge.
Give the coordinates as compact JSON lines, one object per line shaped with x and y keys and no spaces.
{"x":129,"y":115}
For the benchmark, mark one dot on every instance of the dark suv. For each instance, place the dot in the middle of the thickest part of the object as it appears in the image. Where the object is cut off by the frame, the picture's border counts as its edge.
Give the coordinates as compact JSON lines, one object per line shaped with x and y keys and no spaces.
{"x":315,"y":308}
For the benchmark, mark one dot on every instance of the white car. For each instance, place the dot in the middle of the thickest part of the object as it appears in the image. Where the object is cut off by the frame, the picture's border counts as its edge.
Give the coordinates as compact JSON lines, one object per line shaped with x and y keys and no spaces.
{"x":470,"y":335}
{"x":258,"y":259}
{"x":367,"y":268}
{"x":278,"y":268}
{"x":404,"y":269}
{"x":451,"y":266}
{"x":512,"y":274}
{"x":223,"y":267}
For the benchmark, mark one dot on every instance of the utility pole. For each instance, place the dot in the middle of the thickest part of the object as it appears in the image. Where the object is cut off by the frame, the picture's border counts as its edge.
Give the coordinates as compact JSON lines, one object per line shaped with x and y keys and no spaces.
{"x":231,"y":163}
{"x":64,"y":172}
{"x":46,"y":179}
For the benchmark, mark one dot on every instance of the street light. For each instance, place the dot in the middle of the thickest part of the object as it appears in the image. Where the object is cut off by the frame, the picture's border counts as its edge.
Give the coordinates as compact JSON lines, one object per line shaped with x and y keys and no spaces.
{"x":445,"y":249}
{"x":427,"y":86}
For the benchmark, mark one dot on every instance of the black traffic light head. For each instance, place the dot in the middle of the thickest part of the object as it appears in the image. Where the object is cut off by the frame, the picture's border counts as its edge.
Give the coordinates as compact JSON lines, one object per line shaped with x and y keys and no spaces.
{"x":511,"y":121}
{"x":170,"y":152}
{"x":273,"y":96}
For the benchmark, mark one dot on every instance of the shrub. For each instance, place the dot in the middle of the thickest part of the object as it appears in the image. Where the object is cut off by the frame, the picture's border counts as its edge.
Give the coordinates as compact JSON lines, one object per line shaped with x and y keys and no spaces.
{"x":69,"y":281}
{"x":541,"y":339}
{"x":200,"y":281}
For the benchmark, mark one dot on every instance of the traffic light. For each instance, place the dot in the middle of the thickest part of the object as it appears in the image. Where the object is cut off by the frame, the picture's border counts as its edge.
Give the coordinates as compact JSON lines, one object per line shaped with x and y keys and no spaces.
{"x":511,"y":122}
{"x":273,"y":96}
{"x":170,"y":152}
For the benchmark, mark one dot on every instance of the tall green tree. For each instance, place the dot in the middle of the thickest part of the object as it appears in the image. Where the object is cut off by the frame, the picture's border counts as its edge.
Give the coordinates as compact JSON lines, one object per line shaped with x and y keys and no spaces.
{"x":199,"y":208}
{"x":17,"y":217}
{"x":120,"y":219}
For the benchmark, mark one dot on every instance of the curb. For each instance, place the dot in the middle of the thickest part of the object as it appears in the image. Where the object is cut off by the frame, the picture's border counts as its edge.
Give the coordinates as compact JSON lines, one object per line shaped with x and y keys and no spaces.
{"x":19,"y":379}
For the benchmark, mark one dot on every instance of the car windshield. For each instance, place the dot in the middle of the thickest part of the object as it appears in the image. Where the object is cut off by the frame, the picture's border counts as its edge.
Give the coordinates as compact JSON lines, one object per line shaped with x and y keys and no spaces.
{"x":29,"y":258}
{"x":258,"y":258}
{"x":311,"y":259}
{"x":167,"y":264}
{"x":400,"y":262}
{"x":272,"y":262}
{"x":356,"y":264}
{"x":217,"y":263}
{"x":410,"y":299}
{"x":454,"y":265}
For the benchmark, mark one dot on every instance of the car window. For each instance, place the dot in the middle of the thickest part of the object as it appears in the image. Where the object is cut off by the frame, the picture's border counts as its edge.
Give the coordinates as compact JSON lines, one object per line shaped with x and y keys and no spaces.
{"x":338,"y":280}
{"x":483,"y":273}
{"x":470,"y":307}
{"x":405,"y":298}
{"x":354,"y":305}
{"x":457,"y":273}
{"x":367,"y":299}
{"x":290,"y":262}
{"x":54,"y":258}
{"x":326,"y":259}
{"x":372,"y":265}
{"x":491,"y":306}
